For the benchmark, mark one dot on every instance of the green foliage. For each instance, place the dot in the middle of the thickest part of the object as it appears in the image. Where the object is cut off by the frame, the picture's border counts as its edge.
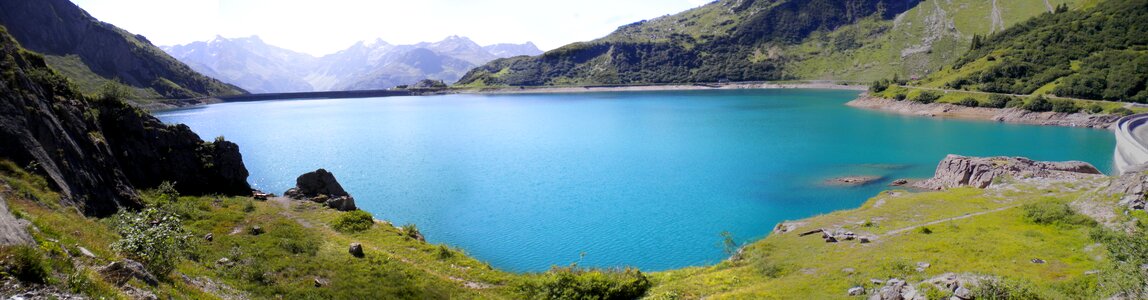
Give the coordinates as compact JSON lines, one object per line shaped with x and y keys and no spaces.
{"x":578,"y":283}
{"x":1054,"y":213}
{"x":925,"y":230}
{"x":969,"y":101}
{"x":443,"y":252}
{"x":1005,"y":289}
{"x":411,"y":231}
{"x":1065,"y":106}
{"x":998,"y":101}
{"x":354,"y":221}
{"x":114,"y":90}
{"x":1015,"y":103}
{"x":153,"y":237}
{"x":927,"y":97}
{"x":1094,"y":108}
{"x":1098,"y":53}
{"x":25,"y":263}
{"x":900,"y":97}
{"x":1038,"y":104}
{"x":1121,"y":111}
{"x":878,"y":86}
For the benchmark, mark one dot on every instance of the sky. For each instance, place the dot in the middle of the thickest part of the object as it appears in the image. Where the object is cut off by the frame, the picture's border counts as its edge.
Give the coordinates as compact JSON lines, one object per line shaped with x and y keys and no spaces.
{"x":321,"y":27}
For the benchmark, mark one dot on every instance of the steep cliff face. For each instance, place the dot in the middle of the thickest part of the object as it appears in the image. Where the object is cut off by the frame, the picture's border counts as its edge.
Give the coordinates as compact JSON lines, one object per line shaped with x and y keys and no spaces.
{"x":59,"y":28}
{"x":980,"y":172}
{"x":96,"y":152}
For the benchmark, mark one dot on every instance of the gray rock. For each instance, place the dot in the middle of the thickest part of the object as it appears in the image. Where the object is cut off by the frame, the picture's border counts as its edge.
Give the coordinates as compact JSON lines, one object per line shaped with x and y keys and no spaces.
{"x":899,"y":182}
{"x":119,"y":272}
{"x":963,"y":293}
{"x":979,"y":172}
{"x":864,"y":240}
{"x":921,"y":266}
{"x":255,"y":230}
{"x":856,"y":291}
{"x":830,"y":239}
{"x":321,"y":186}
{"x":12,"y":231}
{"x":1037,"y":261}
{"x":356,"y":250}
{"x":86,"y":252}
{"x":209,"y":236}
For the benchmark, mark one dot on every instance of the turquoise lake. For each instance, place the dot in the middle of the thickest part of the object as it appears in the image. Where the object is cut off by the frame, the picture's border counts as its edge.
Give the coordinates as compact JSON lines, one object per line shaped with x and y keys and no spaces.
{"x":645,"y":179}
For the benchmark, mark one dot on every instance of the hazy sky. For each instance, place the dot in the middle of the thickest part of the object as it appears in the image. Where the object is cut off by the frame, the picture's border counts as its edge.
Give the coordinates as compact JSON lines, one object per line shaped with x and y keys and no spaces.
{"x":324,"y":26}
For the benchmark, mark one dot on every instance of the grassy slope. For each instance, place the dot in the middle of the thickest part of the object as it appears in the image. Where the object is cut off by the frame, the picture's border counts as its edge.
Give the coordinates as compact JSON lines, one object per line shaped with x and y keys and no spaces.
{"x":998,"y":243}
{"x":916,"y":44}
{"x":299,"y":247}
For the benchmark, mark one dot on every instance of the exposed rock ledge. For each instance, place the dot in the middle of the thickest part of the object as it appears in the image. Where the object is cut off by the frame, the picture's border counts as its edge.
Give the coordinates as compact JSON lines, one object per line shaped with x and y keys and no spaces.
{"x":956,"y":170}
{"x":1008,"y":115}
{"x":320,"y":186}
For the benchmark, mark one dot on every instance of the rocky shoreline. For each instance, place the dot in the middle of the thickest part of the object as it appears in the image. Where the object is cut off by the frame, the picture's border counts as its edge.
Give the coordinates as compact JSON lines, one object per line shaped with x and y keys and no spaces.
{"x":671,"y":87}
{"x":1007,"y":115}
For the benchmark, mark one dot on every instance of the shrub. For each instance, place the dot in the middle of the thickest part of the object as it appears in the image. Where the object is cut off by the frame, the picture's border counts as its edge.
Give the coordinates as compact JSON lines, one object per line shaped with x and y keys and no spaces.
{"x":969,"y":101}
{"x":1054,"y":213}
{"x":900,"y":97}
{"x":1038,"y":104}
{"x":153,"y":237}
{"x":1121,"y":111}
{"x":577,"y":283}
{"x":412,"y":231}
{"x":25,"y":263}
{"x":444,"y":252}
{"x":353,"y":221}
{"x":1014,"y":103}
{"x":997,"y":101}
{"x":925,"y":230}
{"x":1065,"y":106}
{"x":878,"y":86}
{"x":1001,"y":289}
{"x":1094,"y":108}
{"x":927,"y":97}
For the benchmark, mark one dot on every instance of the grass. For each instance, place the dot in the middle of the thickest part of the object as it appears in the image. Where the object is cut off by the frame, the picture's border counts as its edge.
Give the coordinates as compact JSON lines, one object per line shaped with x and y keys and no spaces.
{"x":955,"y":96}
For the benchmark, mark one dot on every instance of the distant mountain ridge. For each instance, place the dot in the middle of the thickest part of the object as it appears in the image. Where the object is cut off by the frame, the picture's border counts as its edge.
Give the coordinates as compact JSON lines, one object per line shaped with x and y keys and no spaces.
{"x":92,"y":53}
{"x":261,"y":68}
{"x":750,"y":40}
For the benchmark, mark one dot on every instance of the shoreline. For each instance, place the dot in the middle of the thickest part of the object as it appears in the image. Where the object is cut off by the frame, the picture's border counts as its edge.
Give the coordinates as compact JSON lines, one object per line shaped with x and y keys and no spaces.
{"x":1005,"y":115}
{"x":651,"y":88}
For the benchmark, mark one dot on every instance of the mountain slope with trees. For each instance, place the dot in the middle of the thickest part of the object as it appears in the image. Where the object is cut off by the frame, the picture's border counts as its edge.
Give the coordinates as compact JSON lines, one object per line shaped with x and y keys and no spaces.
{"x":746,"y":40}
{"x":93,"y":53}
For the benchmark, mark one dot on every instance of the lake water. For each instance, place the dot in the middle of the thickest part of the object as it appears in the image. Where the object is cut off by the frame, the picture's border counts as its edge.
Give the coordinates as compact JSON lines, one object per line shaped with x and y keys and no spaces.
{"x":645,"y":179}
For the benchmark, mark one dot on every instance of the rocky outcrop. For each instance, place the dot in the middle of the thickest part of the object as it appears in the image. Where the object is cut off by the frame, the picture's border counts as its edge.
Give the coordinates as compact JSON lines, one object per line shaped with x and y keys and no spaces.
{"x":96,"y":152}
{"x":119,"y":272}
{"x":320,"y":186}
{"x":980,"y":172}
{"x":12,"y":231}
{"x":1132,"y":185}
{"x":60,"y":28}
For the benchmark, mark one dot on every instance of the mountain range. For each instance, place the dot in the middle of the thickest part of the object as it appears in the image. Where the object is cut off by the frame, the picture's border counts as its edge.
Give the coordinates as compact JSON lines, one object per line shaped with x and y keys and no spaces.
{"x":262,"y":68}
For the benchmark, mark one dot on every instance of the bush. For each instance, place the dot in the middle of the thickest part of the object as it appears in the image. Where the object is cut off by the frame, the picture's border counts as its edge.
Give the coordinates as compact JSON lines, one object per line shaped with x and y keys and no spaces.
{"x":925,"y":230}
{"x":576,"y":283}
{"x":25,"y":263}
{"x":153,"y":237}
{"x":1014,"y":103}
{"x":969,"y":101}
{"x":900,"y":97}
{"x":1001,"y":289}
{"x":412,"y":231}
{"x":878,"y":86}
{"x":1054,"y":213}
{"x":927,"y":97}
{"x":998,"y":101}
{"x":1094,"y":108}
{"x":1065,"y":106}
{"x":444,"y":252}
{"x":1038,"y":104}
{"x":1121,"y":111}
{"x":353,"y":221}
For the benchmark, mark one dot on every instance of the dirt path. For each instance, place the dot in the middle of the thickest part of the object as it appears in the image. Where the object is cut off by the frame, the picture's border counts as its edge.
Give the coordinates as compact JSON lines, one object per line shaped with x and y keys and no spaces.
{"x":998,"y":22}
{"x":898,"y":231}
{"x":1048,"y":6}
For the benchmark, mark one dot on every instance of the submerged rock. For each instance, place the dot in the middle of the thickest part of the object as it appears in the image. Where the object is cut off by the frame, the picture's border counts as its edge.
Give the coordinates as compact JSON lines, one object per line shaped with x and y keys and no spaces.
{"x":853,"y":180}
{"x":320,"y":186}
{"x":980,"y":172}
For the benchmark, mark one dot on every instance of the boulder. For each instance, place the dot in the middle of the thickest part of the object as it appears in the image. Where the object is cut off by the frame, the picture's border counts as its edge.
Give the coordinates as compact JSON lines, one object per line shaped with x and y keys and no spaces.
{"x":13,"y":231}
{"x":119,"y":272}
{"x":320,"y":186}
{"x":356,"y":250}
{"x":963,"y":293}
{"x":979,"y":172}
{"x":856,"y":291}
{"x":899,"y":182}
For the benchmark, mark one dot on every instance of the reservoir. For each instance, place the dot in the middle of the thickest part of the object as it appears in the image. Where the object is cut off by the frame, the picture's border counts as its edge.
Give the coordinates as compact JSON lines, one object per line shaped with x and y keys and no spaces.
{"x":643,"y":179}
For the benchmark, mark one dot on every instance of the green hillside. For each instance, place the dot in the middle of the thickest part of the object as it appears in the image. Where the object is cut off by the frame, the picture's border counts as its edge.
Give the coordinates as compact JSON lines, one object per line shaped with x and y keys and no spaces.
{"x":94,"y":54}
{"x":1100,"y":52}
{"x":745,"y":40}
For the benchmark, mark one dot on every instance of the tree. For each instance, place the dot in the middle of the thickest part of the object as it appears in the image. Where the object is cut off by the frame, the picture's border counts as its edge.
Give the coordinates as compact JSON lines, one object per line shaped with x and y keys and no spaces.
{"x":1038,"y":104}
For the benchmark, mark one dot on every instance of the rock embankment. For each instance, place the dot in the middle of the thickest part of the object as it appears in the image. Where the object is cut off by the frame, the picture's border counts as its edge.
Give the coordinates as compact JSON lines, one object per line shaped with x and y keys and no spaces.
{"x":97,"y":152}
{"x":320,"y":186}
{"x":980,"y":172}
{"x":1007,"y":115}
